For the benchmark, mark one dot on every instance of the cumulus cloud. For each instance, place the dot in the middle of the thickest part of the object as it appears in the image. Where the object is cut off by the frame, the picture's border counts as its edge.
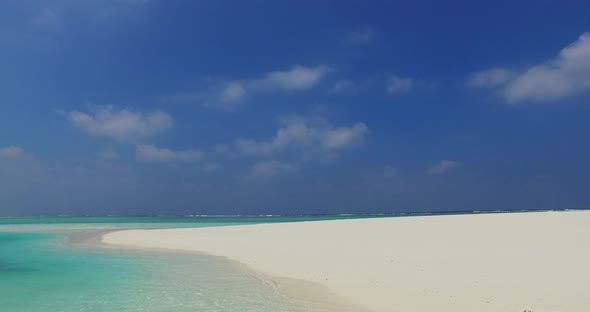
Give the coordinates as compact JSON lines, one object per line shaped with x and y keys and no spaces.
{"x":270,"y":168}
{"x":229,"y":95}
{"x":397,"y":84}
{"x":234,"y":91}
{"x":361,"y":36}
{"x":297,"y":78}
{"x":444,"y":166}
{"x":151,"y":153}
{"x":119,"y":123}
{"x":565,"y":75}
{"x":311,"y":137}
{"x":11,"y":152}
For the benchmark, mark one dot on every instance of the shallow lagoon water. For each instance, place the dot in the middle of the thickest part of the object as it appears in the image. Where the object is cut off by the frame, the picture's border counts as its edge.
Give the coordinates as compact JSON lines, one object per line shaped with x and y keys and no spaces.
{"x":43,"y":272}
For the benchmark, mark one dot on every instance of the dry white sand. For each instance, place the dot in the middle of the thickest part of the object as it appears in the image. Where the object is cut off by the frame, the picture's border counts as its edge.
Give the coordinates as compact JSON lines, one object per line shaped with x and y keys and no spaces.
{"x":488,"y":262}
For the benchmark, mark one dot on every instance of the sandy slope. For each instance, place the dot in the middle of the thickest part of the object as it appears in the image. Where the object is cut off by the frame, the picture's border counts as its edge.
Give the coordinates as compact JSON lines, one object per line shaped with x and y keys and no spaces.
{"x":492,"y":262}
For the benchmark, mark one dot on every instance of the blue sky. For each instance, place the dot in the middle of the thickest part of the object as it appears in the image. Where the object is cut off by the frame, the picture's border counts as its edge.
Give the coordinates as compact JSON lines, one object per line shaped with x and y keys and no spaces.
{"x":234,"y":107}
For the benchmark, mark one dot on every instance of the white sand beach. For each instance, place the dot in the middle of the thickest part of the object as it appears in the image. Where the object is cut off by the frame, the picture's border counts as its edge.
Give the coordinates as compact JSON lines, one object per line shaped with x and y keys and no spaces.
{"x":485,"y":262}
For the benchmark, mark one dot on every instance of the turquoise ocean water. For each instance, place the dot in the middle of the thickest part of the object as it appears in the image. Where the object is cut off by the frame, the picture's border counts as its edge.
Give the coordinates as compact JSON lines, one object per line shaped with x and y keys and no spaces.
{"x":41,"y":270}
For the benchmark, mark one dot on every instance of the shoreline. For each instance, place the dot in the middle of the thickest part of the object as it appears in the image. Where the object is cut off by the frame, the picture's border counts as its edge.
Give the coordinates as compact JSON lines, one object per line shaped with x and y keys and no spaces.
{"x":484,"y":262}
{"x":306,"y":294}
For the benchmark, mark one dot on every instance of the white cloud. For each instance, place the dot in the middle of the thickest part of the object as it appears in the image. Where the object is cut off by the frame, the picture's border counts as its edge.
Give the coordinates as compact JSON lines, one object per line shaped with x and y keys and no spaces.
{"x":361,"y":36}
{"x":297,"y":78}
{"x":120,"y":124}
{"x":271,"y":168}
{"x":107,"y":154}
{"x":344,"y":137}
{"x":11,"y":152}
{"x":345,"y":86}
{"x":444,"y":166}
{"x":490,"y":78}
{"x":227,"y":98}
{"x":397,"y":84}
{"x":229,"y":95}
{"x":151,"y":153}
{"x":314,"y":137}
{"x":566,"y":75}
{"x":234,"y":91}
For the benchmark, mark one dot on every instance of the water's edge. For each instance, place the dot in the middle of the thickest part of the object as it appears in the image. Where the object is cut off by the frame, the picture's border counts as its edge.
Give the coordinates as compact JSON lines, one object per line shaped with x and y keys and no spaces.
{"x":304,"y":293}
